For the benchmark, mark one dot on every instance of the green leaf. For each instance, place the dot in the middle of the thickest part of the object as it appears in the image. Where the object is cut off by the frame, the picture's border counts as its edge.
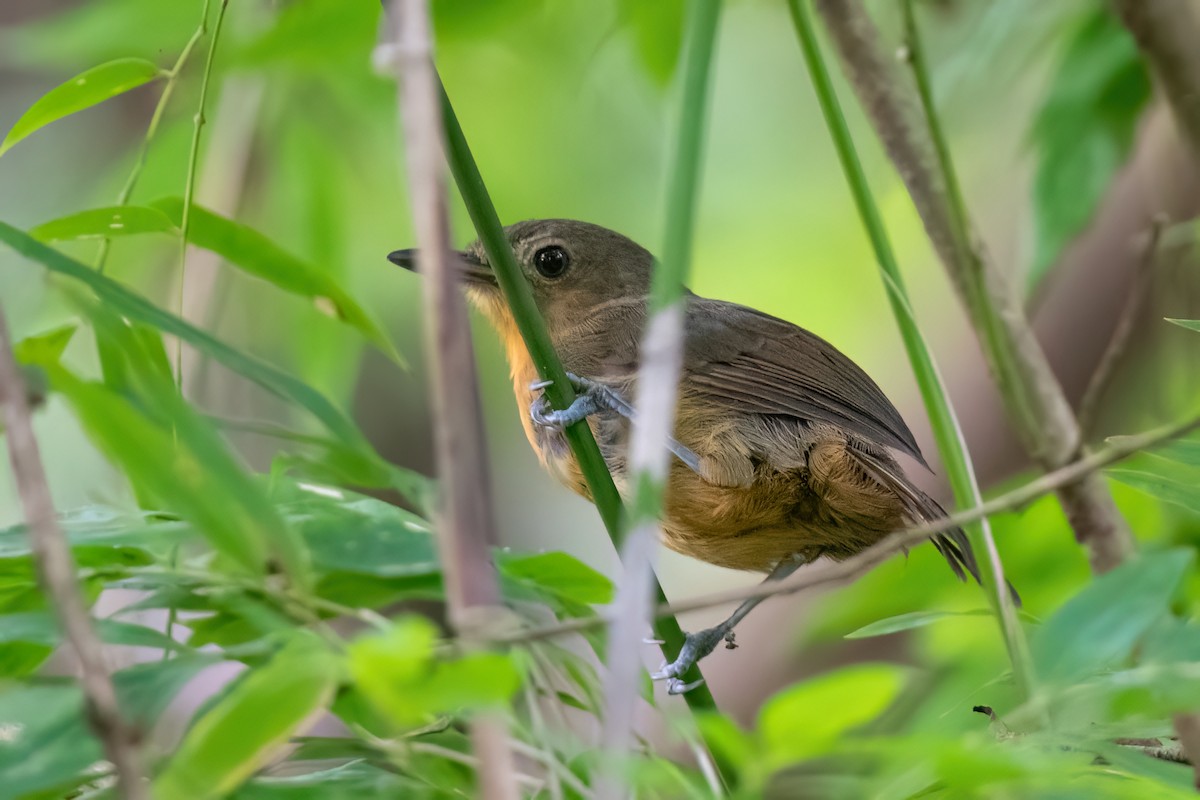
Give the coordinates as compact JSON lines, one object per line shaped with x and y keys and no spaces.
{"x":82,"y":91}
{"x":48,"y":346}
{"x":1190,"y":324}
{"x":259,"y":256}
{"x":325,"y":748}
{"x":1084,"y":130}
{"x":357,"y":780}
{"x":1099,"y":627}
{"x":102,"y":536}
{"x":145,"y":690}
{"x":397,"y":672}
{"x":342,"y":465}
{"x":137,"y":308}
{"x":808,"y":718}
{"x":1163,"y":486}
{"x":915,"y":619}
{"x":47,"y":740}
{"x":559,"y":574}
{"x":728,"y":742}
{"x":255,"y":718}
{"x":105,"y":223}
{"x":176,"y":457}
{"x":1185,"y":450}
{"x":40,"y":627}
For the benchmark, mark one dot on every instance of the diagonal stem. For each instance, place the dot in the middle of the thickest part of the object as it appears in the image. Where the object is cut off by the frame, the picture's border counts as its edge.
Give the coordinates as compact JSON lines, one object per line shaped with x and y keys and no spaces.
{"x":533,"y":330}
{"x":56,"y":573}
{"x":911,"y":134}
{"x":946,"y":429}
{"x":466,"y":533}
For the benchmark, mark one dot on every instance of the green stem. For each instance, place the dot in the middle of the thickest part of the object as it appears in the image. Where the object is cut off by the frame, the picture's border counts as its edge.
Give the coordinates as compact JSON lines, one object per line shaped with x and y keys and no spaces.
{"x":996,"y":345}
{"x":152,"y":129}
{"x":189,"y":187}
{"x":682,"y":189}
{"x":946,"y":430}
{"x":533,"y":330}
{"x":666,"y":288}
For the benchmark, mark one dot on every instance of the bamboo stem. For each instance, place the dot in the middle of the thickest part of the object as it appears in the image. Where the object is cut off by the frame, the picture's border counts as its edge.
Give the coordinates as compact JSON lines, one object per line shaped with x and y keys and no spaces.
{"x":660,"y":360}
{"x":56,"y":573}
{"x":533,"y":330}
{"x":946,"y":430}
{"x":466,"y":531}
{"x":1032,"y":395}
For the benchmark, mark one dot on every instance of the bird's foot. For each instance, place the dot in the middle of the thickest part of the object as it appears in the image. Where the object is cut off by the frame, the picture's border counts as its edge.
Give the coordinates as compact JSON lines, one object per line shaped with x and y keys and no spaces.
{"x":695,"y":647}
{"x":591,"y":398}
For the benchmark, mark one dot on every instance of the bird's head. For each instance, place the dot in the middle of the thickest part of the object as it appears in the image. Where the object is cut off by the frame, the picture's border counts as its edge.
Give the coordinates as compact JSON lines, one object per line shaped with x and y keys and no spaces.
{"x":572,"y":267}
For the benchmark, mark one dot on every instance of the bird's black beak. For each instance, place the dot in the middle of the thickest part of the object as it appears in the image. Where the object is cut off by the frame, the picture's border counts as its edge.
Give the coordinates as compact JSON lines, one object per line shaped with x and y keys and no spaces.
{"x":469,"y":265}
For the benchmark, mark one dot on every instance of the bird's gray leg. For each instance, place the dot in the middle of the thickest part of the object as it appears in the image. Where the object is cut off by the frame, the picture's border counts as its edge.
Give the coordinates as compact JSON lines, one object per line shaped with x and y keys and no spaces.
{"x":592,"y":398}
{"x":698,"y":645}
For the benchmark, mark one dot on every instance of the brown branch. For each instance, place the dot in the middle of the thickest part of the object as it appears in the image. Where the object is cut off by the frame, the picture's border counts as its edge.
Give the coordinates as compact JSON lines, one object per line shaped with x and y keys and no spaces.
{"x":1167,"y":32}
{"x":1032,"y":395}
{"x":56,"y":574}
{"x":854,"y":567}
{"x":1105,"y":369}
{"x":466,"y":533}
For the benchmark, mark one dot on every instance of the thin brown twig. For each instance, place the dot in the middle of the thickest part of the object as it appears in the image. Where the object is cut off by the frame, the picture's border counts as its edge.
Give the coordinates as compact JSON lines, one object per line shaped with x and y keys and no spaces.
{"x":1102,"y":376}
{"x":1167,"y":31}
{"x":56,"y":573}
{"x":845,"y":571}
{"x":466,"y":534}
{"x":1032,"y":396}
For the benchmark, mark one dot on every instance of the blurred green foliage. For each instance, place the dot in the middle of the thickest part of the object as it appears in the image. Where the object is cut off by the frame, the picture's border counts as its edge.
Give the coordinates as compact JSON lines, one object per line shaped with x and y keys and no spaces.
{"x":242,"y":518}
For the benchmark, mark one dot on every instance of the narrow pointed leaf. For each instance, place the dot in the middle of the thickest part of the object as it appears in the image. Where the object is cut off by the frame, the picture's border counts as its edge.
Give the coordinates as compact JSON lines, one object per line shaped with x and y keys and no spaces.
{"x":82,"y":91}
{"x":40,"y":627}
{"x":906,"y":622}
{"x":105,"y":223}
{"x":1099,"y":627}
{"x":1190,"y":324}
{"x":1161,"y":485}
{"x":137,"y":308}
{"x":245,"y":728}
{"x":257,"y":255}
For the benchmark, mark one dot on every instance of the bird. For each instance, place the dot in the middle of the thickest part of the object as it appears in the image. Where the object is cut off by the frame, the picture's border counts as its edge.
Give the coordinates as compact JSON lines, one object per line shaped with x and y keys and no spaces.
{"x":785,"y":448}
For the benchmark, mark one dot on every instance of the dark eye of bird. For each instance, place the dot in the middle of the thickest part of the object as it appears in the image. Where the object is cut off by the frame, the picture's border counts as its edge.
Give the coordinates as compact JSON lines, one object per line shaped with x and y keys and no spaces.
{"x":551,"y":261}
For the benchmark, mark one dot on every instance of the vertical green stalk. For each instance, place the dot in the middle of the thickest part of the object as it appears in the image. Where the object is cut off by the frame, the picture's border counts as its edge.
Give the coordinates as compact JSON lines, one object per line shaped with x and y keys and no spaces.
{"x":189,"y":187}
{"x":945,"y":425}
{"x":666,"y":287}
{"x":533,"y":330}
{"x":660,"y":360}
{"x":152,"y":129}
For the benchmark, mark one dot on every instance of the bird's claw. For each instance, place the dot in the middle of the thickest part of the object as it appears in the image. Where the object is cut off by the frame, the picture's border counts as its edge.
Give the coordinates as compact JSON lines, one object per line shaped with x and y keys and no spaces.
{"x":695,"y":647}
{"x":543,"y":415}
{"x":676,"y":686}
{"x":591,"y":398}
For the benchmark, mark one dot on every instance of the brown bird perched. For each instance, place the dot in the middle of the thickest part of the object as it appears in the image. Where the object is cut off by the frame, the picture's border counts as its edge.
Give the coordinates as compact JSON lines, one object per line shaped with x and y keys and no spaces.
{"x":784,"y":444}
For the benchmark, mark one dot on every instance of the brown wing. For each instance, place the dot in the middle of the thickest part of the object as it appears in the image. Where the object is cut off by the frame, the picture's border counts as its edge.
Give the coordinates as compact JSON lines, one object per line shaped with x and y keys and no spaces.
{"x":764,"y":365}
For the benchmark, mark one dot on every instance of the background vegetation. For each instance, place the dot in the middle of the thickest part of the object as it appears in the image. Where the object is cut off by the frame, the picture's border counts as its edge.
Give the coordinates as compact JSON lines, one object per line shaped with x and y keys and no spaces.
{"x":239,"y":449}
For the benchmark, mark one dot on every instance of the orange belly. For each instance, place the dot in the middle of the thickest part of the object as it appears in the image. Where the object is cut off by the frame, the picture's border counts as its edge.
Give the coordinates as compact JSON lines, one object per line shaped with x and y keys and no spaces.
{"x":823,"y":508}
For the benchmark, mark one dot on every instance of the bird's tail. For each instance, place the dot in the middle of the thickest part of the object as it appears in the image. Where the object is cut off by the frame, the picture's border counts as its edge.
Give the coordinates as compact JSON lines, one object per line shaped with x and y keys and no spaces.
{"x":953,"y":543}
